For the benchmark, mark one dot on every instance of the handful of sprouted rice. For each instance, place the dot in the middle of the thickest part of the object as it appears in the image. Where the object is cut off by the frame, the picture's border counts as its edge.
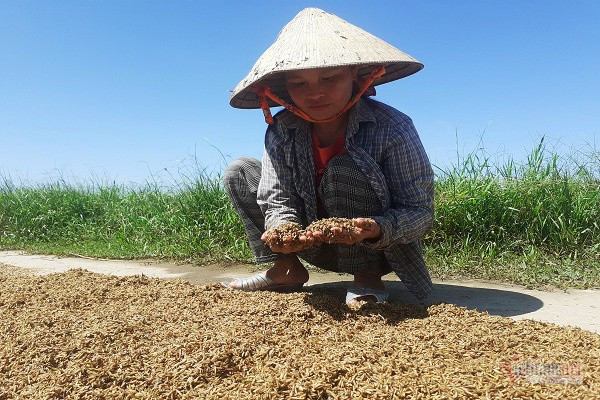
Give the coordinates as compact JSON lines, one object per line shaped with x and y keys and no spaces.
{"x":288,"y":233}
{"x":345,"y":229}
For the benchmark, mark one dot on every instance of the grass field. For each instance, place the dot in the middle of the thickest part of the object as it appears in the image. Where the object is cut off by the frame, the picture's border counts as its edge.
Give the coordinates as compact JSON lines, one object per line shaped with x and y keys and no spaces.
{"x":534,"y":222}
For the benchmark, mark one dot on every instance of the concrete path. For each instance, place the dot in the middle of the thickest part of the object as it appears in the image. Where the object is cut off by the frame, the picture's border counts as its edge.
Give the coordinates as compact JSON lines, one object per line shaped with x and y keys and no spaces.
{"x":578,"y":308}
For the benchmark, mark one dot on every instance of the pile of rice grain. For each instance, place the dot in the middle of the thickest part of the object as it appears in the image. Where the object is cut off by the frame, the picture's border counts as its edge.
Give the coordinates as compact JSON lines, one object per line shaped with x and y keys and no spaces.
{"x":80,"y":335}
{"x":325,"y":225}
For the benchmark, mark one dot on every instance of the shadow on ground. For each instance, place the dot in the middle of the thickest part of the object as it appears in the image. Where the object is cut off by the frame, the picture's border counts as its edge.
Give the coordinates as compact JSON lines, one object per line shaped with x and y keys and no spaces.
{"x":505,"y":303}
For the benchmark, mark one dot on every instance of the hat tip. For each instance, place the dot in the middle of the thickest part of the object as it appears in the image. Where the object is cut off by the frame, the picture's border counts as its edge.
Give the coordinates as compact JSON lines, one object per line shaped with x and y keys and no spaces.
{"x":312,"y":9}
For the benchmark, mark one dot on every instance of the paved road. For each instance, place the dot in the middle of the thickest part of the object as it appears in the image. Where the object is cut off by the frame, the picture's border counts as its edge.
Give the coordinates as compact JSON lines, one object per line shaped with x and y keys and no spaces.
{"x":578,"y":308}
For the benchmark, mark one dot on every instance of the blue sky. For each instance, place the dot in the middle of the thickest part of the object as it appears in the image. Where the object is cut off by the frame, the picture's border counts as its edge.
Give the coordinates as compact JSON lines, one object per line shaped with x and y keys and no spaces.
{"x":125,"y":90}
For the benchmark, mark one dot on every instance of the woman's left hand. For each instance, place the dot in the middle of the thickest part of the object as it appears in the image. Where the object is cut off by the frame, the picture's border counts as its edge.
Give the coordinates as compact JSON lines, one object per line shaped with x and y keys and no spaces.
{"x":366,"y":228}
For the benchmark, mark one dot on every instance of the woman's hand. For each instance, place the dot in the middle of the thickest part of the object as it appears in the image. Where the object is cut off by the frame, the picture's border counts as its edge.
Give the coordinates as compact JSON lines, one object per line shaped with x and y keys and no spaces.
{"x":367,"y":228}
{"x":289,"y":245}
{"x":364,"y":228}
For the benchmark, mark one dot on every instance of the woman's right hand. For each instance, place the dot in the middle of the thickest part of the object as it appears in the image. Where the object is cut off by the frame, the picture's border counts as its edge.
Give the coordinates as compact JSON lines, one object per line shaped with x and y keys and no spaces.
{"x":289,"y":245}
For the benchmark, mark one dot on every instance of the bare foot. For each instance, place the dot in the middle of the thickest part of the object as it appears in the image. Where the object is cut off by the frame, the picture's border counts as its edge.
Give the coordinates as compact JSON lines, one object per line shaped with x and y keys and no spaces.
{"x":285,"y":271}
{"x":288,"y":270}
{"x":368,"y":279}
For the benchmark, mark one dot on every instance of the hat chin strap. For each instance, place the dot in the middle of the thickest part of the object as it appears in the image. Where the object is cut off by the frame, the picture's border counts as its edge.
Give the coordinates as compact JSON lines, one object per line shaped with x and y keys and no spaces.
{"x":264,"y":91}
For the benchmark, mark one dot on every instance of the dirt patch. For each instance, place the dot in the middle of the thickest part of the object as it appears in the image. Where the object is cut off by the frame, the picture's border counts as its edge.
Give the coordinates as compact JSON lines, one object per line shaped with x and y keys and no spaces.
{"x":89,"y":336}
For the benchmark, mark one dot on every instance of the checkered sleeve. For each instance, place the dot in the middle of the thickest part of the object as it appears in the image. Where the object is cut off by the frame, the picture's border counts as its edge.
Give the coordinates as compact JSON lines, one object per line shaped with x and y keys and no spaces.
{"x":277,"y":197}
{"x":409,"y":177}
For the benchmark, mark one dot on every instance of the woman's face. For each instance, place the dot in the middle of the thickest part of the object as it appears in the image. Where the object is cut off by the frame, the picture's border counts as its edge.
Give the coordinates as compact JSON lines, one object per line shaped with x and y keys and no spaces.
{"x":323,"y":92}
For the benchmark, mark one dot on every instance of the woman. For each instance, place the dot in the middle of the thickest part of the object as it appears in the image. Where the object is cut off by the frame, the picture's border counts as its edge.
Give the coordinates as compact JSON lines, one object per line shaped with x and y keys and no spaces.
{"x":333,"y":152}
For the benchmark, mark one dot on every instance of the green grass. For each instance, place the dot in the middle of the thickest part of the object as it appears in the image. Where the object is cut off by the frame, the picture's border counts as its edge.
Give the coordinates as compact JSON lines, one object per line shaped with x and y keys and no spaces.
{"x":535,"y":223}
{"x":195,"y":222}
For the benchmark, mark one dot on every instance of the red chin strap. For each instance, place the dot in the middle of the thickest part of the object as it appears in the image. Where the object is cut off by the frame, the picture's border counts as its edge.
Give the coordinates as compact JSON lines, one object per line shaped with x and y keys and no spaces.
{"x":263,"y":92}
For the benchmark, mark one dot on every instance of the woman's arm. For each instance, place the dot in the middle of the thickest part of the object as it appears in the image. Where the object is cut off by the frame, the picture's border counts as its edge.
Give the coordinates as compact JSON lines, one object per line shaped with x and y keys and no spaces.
{"x":277,"y":196}
{"x":409,"y":177}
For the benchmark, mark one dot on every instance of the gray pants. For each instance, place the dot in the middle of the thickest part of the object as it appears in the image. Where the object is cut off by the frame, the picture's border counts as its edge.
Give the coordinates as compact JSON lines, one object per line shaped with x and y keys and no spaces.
{"x":345,"y":192}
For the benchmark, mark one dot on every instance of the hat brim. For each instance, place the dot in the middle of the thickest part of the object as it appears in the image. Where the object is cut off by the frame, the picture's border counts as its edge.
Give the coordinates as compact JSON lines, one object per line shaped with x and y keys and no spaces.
{"x":247,"y":98}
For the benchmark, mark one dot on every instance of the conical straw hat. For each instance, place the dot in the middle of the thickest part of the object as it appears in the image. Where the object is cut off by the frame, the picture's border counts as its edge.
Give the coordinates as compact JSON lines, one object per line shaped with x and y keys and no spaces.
{"x":316,"y":39}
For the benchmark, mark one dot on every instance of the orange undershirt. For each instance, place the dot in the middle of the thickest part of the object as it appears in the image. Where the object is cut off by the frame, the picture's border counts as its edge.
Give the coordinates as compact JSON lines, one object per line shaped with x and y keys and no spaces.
{"x":322,"y":156}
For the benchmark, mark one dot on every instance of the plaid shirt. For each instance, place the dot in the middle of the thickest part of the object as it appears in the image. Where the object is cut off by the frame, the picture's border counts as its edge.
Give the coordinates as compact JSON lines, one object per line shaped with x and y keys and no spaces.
{"x":386,"y":147}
